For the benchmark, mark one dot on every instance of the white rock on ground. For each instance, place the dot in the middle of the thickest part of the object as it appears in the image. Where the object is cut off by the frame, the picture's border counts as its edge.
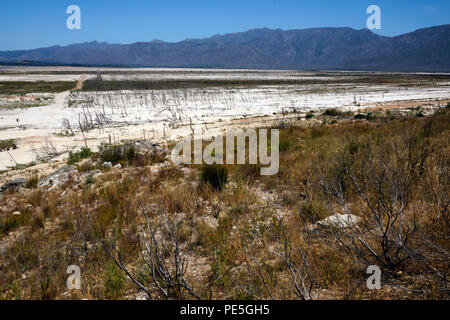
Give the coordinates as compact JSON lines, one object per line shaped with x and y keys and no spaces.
{"x":57,"y":178}
{"x":340,"y":221}
{"x":107,"y":164}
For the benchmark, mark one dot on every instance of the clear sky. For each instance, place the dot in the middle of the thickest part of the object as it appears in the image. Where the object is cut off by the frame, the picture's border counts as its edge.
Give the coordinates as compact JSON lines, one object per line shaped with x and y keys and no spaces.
{"x":26,"y":24}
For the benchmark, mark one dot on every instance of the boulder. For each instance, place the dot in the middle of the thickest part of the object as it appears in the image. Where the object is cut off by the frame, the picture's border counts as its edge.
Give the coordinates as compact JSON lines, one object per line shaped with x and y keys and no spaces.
{"x":107,"y":164}
{"x":13,"y":184}
{"x":141,"y":146}
{"x":57,"y":178}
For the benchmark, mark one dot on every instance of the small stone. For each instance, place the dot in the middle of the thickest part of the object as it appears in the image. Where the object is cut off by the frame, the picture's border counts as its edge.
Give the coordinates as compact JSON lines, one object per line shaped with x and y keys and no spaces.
{"x":107,"y":164}
{"x":16,"y":213}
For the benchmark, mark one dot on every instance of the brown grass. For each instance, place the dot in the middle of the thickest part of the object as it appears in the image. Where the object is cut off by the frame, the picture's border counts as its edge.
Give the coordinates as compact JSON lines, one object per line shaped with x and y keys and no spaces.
{"x":247,"y":240}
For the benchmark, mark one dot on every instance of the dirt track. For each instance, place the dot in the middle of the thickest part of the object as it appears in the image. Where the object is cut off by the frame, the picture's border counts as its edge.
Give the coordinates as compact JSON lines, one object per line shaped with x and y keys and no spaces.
{"x":80,"y":82}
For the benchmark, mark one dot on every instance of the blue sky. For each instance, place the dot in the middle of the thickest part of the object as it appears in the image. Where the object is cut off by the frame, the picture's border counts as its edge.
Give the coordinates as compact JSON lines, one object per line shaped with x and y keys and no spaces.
{"x":26,"y":24}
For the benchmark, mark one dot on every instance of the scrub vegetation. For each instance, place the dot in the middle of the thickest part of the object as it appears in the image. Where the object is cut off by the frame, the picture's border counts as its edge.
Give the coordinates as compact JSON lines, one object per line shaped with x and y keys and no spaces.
{"x":148,"y":228}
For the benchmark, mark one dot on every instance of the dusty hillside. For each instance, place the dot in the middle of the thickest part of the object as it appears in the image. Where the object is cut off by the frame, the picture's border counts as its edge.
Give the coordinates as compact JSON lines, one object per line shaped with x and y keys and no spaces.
{"x":353,"y":190}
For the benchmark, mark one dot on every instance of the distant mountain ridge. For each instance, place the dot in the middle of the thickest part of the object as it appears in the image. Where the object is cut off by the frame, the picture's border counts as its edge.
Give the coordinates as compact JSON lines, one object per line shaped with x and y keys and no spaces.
{"x":305,"y":49}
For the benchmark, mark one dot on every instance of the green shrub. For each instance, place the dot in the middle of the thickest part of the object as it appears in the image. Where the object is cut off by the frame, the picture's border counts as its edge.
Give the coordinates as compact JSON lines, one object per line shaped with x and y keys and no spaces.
{"x":7,"y":144}
{"x":118,"y":153}
{"x":45,"y":287}
{"x":284,"y":145}
{"x":114,"y":282}
{"x":216,"y":175}
{"x":331,"y":112}
{"x":75,"y":157}
{"x":309,"y":115}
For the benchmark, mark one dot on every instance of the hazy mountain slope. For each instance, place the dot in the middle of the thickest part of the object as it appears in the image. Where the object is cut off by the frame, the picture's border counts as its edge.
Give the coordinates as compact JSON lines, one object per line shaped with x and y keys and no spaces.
{"x":319,"y":48}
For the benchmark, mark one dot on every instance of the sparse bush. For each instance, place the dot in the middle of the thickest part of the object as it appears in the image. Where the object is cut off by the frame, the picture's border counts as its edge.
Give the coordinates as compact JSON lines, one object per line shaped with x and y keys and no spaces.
{"x":75,"y":157}
{"x":309,"y":115}
{"x":332,"y":112}
{"x":114,"y":282}
{"x":312,"y":211}
{"x":119,"y":153}
{"x":175,"y":237}
{"x":85,"y":166}
{"x":12,"y":222}
{"x":32,"y":181}
{"x":284,"y":145}
{"x":384,"y":183}
{"x":8,"y":144}
{"x":38,"y":222}
{"x":216,"y":175}
{"x":45,"y":286}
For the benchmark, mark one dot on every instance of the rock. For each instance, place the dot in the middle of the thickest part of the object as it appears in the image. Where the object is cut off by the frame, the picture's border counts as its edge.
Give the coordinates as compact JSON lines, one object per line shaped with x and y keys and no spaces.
{"x":97,"y":175}
{"x":107,"y":164}
{"x":141,"y":146}
{"x":118,"y":166}
{"x":340,"y":221}
{"x":57,"y":178}
{"x":13,"y":184}
{"x":16,"y":213}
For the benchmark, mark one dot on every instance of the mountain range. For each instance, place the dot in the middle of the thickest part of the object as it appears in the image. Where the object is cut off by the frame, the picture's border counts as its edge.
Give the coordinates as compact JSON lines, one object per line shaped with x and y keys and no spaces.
{"x":425,"y":49}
